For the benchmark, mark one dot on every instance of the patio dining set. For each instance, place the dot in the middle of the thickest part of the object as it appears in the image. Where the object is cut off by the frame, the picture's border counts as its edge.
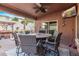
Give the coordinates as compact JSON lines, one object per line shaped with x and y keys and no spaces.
{"x":37,"y":44}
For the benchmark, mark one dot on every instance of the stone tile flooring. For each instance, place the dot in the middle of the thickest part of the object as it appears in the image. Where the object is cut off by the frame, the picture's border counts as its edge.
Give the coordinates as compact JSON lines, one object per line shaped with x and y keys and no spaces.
{"x":7,"y":47}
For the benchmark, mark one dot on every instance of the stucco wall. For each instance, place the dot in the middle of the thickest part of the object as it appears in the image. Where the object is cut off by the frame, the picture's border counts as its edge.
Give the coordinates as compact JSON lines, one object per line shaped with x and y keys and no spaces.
{"x":68,"y":30}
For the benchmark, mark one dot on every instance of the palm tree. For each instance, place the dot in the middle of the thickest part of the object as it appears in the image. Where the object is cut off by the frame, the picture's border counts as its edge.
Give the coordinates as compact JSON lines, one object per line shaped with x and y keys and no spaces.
{"x":14,"y":19}
{"x":26,"y":21}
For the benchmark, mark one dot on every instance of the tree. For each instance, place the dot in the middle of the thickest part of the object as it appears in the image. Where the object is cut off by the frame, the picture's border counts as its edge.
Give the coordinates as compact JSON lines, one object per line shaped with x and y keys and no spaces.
{"x":26,"y":21}
{"x":15,"y":19}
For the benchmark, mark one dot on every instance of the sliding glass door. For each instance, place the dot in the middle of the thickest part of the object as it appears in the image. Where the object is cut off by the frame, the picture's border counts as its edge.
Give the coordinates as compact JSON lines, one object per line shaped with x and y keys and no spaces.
{"x":50,"y":26}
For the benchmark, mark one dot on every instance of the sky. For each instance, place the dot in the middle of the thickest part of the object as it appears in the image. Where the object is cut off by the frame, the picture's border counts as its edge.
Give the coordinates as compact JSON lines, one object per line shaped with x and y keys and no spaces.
{"x":7,"y":14}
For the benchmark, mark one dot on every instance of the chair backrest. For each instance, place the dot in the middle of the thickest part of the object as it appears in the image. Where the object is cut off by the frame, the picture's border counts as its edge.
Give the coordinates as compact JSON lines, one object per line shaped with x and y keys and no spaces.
{"x":28,"y":43}
{"x":55,"y":34}
{"x":42,"y":31}
{"x":58,"y":40}
{"x":51,"y":32}
{"x":27,"y":39}
{"x":27,"y":32}
{"x":17,"y":41}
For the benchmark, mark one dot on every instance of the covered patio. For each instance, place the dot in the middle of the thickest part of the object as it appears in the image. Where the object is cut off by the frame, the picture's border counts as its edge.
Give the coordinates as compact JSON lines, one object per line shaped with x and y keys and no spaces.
{"x":49,"y":18}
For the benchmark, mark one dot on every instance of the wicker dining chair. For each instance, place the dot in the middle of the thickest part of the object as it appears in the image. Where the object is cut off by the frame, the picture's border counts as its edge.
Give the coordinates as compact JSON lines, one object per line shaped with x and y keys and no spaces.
{"x":17,"y":43}
{"x":53,"y":47}
{"x":28,"y":44}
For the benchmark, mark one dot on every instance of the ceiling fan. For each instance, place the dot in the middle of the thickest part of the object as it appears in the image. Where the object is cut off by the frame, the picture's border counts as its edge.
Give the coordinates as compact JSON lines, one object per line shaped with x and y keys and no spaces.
{"x":40,"y":8}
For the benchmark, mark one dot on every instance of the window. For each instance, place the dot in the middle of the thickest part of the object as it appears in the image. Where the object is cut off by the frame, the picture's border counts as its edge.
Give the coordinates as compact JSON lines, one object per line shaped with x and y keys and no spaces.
{"x":52,"y":25}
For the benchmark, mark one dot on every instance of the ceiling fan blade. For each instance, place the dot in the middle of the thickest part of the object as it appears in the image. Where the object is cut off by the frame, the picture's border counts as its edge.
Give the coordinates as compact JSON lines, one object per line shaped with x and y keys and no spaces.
{"x":38,"y":4}
{"x":35,"y":7}
{"x":37,"y":11}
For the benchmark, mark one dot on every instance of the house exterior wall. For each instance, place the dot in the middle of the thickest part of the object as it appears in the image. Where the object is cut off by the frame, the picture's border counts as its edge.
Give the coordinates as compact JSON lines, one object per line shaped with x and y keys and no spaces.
{"x":68,"y":29}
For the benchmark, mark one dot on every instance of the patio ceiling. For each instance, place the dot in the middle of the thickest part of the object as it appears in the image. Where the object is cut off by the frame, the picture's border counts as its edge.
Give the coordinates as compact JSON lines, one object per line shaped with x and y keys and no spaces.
{"x":27,"y":9}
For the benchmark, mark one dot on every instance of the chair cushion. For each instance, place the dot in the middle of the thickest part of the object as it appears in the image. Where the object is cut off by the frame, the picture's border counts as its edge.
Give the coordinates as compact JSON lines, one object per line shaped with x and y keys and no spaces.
{"x":51,"y":39}
{"x":49,"y":46}
{"x":51,"y":43}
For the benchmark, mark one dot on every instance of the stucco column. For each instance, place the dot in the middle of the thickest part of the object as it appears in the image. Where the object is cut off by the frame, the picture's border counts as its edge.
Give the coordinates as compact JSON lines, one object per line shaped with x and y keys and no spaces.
{"x":77,"y":29}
